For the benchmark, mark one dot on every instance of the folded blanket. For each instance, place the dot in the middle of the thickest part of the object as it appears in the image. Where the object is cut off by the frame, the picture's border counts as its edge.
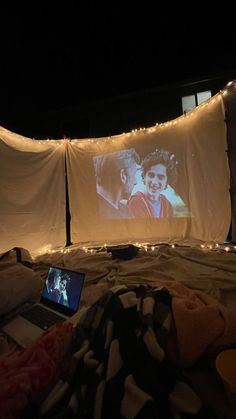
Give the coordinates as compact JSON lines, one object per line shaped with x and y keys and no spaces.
{"x":25,"y":372}
{"x":201,"y":325}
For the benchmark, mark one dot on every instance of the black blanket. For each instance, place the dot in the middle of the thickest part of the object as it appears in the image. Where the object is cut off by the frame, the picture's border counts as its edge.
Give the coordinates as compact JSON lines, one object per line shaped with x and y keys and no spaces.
{"x":119,"y":368}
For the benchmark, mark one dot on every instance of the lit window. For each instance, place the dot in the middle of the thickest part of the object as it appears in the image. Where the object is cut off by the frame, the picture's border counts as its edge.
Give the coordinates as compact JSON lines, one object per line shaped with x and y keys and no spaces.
{"x":190,"y":102}
{"x":202,"y":96}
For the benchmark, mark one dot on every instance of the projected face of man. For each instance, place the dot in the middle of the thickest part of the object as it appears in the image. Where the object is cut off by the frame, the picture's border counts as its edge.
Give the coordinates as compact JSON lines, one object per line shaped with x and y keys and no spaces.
{"x":155,"y":180}
{"x":129,"y":180}
{"x":62,"y":284}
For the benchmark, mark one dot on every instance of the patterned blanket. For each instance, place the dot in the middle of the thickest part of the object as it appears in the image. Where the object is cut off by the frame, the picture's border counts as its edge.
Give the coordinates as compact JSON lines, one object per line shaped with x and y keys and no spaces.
{"x":119,"y":366}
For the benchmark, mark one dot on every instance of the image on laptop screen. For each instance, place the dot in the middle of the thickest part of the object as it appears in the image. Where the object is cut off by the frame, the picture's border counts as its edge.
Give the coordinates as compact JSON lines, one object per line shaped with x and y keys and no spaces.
{"x":63,"y":287}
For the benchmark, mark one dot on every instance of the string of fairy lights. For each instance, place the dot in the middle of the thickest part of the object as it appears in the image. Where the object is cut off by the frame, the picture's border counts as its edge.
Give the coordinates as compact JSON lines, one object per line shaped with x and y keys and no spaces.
{"x":144,"y":247}
{"x":158,"y":126}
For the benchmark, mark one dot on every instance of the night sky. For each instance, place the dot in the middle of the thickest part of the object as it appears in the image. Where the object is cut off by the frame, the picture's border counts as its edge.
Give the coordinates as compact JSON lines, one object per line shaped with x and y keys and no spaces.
{"x":70,"y":55}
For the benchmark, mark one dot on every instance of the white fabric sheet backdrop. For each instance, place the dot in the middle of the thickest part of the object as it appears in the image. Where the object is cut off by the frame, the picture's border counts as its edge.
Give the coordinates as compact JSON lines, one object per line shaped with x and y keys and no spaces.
{"x":200,"y":198}
{"x":32,"y":193}
{"x":32,"y":185}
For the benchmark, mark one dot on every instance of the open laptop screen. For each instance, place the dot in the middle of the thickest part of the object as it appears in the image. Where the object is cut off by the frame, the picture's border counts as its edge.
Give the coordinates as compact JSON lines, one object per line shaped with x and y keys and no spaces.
{"x":62,"y":290}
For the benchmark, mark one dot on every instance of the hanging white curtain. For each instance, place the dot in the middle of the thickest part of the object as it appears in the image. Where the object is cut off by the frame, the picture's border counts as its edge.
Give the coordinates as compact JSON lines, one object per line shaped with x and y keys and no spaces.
{"x":200,"y":198}
{"x":32,"y":186}
{"x":32,"y":193}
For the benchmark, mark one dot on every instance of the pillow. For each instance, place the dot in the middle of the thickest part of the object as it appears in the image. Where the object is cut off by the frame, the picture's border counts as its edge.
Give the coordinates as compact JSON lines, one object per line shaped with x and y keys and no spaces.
{"x":18,"y":254}
{"x":18,"y":284}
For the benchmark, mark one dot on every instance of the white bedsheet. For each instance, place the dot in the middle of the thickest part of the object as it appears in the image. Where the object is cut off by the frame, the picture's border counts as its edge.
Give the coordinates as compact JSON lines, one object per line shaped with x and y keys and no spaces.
{"x":212,"y":271}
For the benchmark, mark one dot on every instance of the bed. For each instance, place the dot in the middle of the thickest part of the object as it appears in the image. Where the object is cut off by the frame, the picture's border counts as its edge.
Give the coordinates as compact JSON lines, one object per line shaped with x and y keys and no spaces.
{"x":148,"y":331}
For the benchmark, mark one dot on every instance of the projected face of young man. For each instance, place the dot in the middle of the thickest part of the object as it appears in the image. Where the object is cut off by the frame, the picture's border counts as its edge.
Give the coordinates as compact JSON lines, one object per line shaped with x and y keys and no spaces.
{"x":62,"y":284}
{"x":155,"y":180}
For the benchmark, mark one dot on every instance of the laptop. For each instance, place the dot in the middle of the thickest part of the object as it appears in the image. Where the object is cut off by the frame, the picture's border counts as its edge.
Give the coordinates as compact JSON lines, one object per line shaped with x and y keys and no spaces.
{"x":59,"y":301}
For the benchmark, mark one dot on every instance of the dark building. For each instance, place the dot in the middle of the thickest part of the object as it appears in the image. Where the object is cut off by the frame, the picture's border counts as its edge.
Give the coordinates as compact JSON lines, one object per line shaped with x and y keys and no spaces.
{"x":123,"y":113}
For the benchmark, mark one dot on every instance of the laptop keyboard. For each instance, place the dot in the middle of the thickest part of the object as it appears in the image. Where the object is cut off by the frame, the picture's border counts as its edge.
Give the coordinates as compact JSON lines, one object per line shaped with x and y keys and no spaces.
{"x":42,"y":317}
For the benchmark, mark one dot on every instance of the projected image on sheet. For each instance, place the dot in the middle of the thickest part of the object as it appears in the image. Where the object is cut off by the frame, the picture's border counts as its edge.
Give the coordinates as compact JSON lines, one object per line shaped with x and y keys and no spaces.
{"x":132,"y":187}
